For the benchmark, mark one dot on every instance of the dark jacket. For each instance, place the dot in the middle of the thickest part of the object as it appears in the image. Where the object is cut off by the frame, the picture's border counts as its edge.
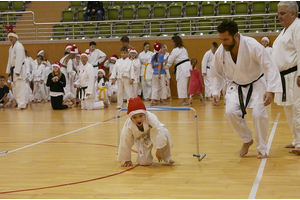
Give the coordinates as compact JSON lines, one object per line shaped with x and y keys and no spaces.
{"x":56,"y":86}
{"x":97,"y":5}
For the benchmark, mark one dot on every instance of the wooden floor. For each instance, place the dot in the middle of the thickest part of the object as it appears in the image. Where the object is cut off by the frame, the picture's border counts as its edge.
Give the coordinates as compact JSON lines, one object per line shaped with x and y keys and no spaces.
{"x":72,"y":154}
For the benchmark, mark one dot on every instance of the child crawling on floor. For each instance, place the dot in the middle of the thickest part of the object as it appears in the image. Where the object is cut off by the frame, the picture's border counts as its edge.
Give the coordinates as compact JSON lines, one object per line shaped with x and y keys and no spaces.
{"x":145,"y":130}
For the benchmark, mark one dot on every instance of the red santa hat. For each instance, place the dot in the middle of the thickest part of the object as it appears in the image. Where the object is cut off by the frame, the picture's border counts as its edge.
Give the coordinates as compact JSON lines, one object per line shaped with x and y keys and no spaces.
{"x":39,"y":52}
{"x":157,"y":46}
{"x":10,"y":31}
{"x":68,"y":46}
{"x":78,"y":54}
{"x":57,"y":64}
{"x":74,"y":49}
{"x":84,"y":54}
{"x":101,"y":70}
{"x":133,"y":51}
{"x":135,"y":106}
{"x":114,"y":57}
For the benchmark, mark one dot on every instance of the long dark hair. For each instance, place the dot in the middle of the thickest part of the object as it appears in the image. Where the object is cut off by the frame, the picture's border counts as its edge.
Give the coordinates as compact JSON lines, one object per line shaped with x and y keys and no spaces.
{"x":105,"y":79}
{"x":178,"y":41}
{"x":155,"y":58}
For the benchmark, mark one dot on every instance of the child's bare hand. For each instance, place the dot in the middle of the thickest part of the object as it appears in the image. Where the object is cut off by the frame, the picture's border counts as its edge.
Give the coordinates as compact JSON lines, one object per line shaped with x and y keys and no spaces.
{"x":127,"y":164}
{"x":159,"y":155}
{"x":131,"y":81}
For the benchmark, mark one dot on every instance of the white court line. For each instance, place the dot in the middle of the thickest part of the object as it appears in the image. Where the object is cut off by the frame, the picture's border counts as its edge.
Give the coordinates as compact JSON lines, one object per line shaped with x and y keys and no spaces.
{"x":263,"y":161}
{"x":46,"y":140}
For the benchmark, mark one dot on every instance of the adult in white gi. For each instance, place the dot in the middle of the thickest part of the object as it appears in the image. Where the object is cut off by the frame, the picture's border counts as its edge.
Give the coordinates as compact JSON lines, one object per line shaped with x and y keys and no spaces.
{"x":166,"y":54}
{"x":179,"y":56}
{"x":253,"y":78}
{"x":286,"y":54}
{"x":123,"y":73}
{"x":265,"y":41}
{"x":136,"y":63}
{"x":16,"y":70}
{"x":86,"y":82}
{"x":146,"y":71}
{"x":206,"y":64}
{"x":146,"y":131}
{"x":96,"y":57}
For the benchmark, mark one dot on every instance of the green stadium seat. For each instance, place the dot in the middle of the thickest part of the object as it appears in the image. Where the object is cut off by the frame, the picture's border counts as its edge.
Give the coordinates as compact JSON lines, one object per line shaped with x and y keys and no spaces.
{"x":144,"y":11}
{"x":242,"y":23}
{"x":75,"y":4}
{"x":170,"y":26}
{"x":9,"y":18}
{"x":4,"y":5}
{"x":75,"y":30}
{"x":106,"y":4}
{"x":272,"y":6}
{"x":18,"y":5}
{"x":59,"y":30}
{"x":224,"y":8}
{"x":138,"y":27}
{"x":89,"y":29}
{"x":155,"y":27}
{"x":105,"y":29}
{"x":159,"y":10}
{"x":241,"y":8}
{"x":135,"y":3}
{"x":257,"y":23}
{"x":68,"y":14}
{"x":192,"y":9}
{"x":273,"y":25}
{"x":204,"y":26}
{"x":80,"y":12}
{"x":119,"y":3}
{"x":258,"y":7}
{"x":207,"y":8}
{"x":3,"y":33}
{"x":128,"y":12}
{"x":121,"y":28}
{"x":113,"y":12}
{"x":176,"y":9}
{"x":186,"y":26}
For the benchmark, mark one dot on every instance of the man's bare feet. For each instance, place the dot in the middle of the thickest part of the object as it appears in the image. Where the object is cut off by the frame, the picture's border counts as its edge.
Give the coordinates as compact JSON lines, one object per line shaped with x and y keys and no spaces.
{"x":289,"y":146}
{"x":184,"y":103}
{"x":245,"y":148}
{"x":127,"y":164}
{"x":171,"y":161}
{"x":260,"y":156}
{"x":295,"y":151}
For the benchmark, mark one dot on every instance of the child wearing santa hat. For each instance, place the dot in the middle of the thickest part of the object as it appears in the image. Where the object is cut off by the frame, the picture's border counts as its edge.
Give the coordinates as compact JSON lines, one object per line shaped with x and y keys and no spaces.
{"x":265,"y":41}
{"x":57,"y":81}
{"x":146,"y":131}
{"x":110,"y":63}
{"x":102,"y":86}
{"x":68,"y":49}
{"x":38,"y":74}
{"x":136,"y":63}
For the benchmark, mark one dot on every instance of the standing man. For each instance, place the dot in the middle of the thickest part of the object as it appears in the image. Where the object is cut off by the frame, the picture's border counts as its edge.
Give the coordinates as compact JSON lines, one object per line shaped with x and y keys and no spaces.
{"x":94,"y":8}
{"x":286,"y":54}
{"x":252,"y":79}
{"x":206,"y":63}
{"x":16,"y":69}
{"x":96,"y":57}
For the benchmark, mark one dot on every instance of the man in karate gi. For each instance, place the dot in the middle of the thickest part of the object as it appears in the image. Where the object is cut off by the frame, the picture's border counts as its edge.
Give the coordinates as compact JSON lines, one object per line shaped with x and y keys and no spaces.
{"x":286,"y":55}
{"x":252,"y":79}
{"x":16,"y":69}
{"x":96,"y":57}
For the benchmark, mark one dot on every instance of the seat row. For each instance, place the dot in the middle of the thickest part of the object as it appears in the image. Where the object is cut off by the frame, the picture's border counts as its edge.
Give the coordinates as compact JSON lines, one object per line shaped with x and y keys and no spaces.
{"x":176,"y":10}
{"x":156,"y":28}
{"x":12,"y":5}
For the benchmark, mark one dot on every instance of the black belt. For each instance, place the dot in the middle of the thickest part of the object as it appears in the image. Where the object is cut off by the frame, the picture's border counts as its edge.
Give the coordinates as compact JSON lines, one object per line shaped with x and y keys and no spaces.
{"x":12,"y":73}
{"x":175,"y":68}
{"x":241,"y":99}
{"x":80,"y":92}
{"x":282,"y":74}
{"x":207,"y":67}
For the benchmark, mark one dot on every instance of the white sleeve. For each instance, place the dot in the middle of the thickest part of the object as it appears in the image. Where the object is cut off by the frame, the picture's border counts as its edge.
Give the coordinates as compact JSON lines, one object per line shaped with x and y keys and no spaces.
{"x":126,"y":143}
{"x":216,"y":75}
{"x":172,"y":57}
{"x":102,"y":56}
{"x":204,"y":63}
{"x":158,"y":137}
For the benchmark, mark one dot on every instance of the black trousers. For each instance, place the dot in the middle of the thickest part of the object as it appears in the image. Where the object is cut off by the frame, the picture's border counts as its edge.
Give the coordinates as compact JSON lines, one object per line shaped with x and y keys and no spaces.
{"x":57,"y":103}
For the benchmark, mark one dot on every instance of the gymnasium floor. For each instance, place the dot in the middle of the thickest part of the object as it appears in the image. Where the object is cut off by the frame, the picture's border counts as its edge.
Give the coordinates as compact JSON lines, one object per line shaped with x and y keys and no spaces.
{"x":72,"y":154}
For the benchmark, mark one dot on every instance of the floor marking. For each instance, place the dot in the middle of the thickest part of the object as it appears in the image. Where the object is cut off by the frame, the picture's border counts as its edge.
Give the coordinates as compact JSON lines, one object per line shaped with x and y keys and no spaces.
{"x":263,"y":161}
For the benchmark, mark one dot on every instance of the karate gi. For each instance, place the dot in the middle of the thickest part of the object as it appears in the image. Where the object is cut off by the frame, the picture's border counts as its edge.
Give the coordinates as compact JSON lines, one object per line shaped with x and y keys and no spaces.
{"x":39,"y":76}
{"x":146,"y":73}
{"x":86,"y":82}
{"x":206,"y":64}
{"x":155,"y":135}
{"x":136,"y":63}
{"x":168,"y":75}
{"x":183,"y":70}
{"x":28,"y":66}
{"x":252,"y":61}
{"x":159,"y":90}
{"x":68,"y":69}
{"x":110,"y":66}
{"x":16,"y":59}
{"x":95,"y":57}
{"x":286,"y":55}
{"x":102,"y":89}
{"x":123,"y":72}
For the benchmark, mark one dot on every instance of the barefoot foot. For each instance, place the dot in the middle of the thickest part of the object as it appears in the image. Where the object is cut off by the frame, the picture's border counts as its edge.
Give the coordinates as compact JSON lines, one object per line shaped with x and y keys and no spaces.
{"x":289,"y":146}
{"x":295,"y":151}
{"x":171,"y":162}
{"x":260,"y":156}
{"x":245,"y":148}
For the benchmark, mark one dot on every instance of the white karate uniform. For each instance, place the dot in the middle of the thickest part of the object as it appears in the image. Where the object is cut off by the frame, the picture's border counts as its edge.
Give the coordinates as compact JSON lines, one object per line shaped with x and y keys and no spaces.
{"x":95,"y":57}
{"x":168,"y":76}
{"x":252,"y":61}
{"x":39,"y":75}
{"x":183,"y":70}
{"x":110,"y":66}
{"x":87,"y":79}
{"x":206,"y":63}
{"x":146,"y":73}
{"x":28,"y":66}
{"x":102,"y":89}
{"x":48,"y":70}
{"x":15,"y":59}
{"x":269,"y":50}
{"x":123,"y":72}
{"x":68,"y":69}
{"x":136,"y":63}
{"x":286,"y":54}
{"x":155,"y":135}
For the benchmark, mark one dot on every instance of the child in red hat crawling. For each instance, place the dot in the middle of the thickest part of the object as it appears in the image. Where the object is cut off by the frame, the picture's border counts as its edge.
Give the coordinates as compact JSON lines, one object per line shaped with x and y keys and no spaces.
{"x":145,"y":130}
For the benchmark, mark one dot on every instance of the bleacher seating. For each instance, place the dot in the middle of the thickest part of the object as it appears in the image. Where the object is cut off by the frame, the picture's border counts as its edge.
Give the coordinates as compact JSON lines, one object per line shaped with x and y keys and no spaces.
{"x":192,"y":9}
{"x":68,"y":14}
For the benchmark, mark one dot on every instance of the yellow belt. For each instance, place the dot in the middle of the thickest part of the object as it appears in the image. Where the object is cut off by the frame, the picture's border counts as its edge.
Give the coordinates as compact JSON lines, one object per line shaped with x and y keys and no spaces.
{"x":102,"y":90}
{"x":145,"y":64}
